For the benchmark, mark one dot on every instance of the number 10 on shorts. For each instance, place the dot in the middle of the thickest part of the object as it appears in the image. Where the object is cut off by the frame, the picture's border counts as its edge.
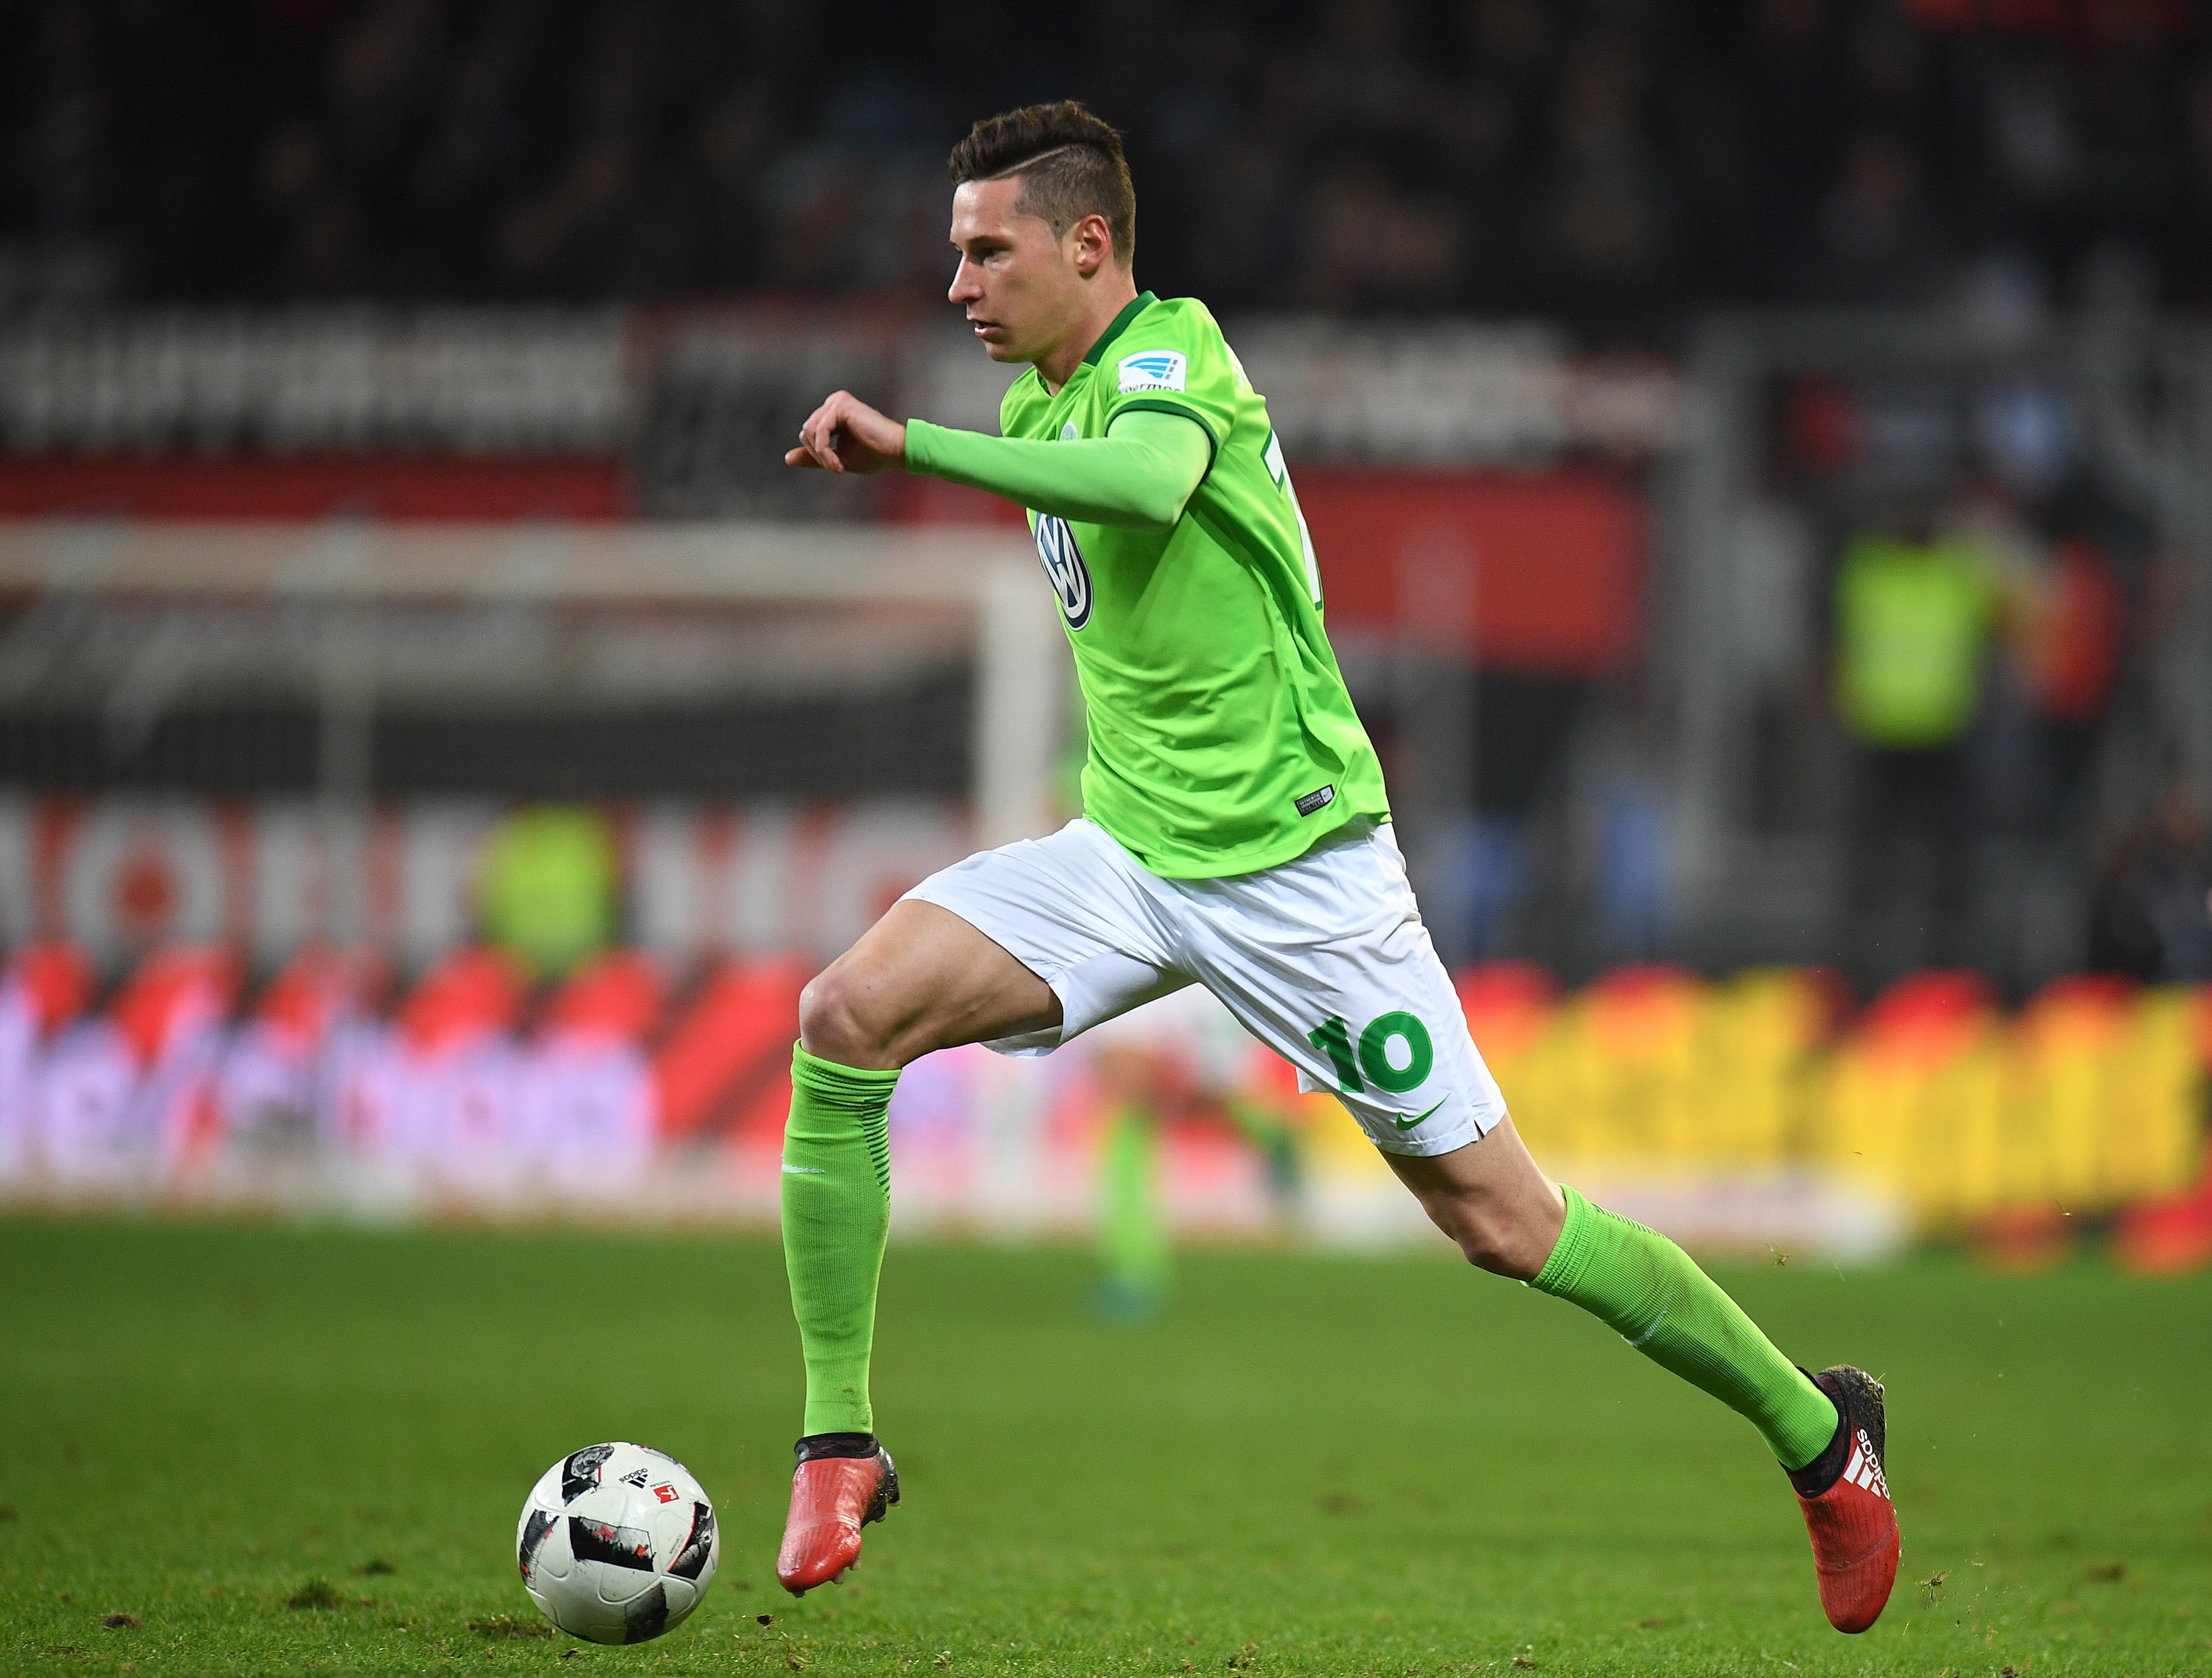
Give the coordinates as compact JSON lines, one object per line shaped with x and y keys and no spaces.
{"x":1373,"y":1057}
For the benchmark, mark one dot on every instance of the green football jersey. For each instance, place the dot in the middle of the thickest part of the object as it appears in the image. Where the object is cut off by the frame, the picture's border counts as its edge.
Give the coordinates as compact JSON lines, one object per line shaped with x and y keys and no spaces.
{"x":1221,"y":738}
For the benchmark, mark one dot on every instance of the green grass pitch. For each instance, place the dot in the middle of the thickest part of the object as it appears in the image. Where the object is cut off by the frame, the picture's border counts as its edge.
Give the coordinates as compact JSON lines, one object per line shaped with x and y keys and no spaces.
{"x":284,"y":1449}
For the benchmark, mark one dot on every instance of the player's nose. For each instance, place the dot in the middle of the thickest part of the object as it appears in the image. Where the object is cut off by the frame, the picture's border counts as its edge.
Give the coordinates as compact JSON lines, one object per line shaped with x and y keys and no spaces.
{"x":965,"y":286}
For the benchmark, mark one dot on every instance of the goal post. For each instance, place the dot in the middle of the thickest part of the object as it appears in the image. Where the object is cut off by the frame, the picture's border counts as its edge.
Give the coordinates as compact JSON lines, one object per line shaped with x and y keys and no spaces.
{"x":127,"y":617}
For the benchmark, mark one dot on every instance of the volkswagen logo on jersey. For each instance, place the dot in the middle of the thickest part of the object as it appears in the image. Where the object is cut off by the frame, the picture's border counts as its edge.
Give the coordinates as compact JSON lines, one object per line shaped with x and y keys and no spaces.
{"x":1064,"y":569}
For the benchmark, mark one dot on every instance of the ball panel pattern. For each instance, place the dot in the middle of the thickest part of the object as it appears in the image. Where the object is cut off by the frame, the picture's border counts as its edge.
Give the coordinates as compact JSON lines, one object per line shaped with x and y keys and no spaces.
{"x":618,"y":1543}
{"x":698,"y":1544}
{"x":618,"y":1547}
{"x":580,"y":1472}
{"x":647,"y":1616}
{"x":536,"y":1524}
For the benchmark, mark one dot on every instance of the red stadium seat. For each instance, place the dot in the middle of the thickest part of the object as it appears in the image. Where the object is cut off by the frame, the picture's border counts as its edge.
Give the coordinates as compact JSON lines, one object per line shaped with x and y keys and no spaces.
{"x":55,"y":980}
{"x":619,"y":995}
{"x":174,"y":992}
{"x":1507,"y":1004}
{"x":310,"y":993}
{"x":473,"y":990}
{"x":728,"y":1062}
{"x":1928,"y":1017}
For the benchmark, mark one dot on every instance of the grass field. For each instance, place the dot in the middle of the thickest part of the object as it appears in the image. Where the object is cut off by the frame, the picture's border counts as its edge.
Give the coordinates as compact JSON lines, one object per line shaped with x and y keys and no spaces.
{"x":1311,"y":1464}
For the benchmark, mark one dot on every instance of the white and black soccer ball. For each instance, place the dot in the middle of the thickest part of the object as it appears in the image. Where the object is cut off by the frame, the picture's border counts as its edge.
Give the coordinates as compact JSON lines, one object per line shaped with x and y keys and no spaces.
{"x":618,"y":1543}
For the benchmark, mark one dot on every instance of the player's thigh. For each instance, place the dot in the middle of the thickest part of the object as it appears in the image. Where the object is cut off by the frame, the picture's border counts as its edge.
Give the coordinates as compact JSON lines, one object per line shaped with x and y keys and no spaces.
{"x":920,"y":979}
{"x":1066,"y":911}
{"x":1326,"y":962}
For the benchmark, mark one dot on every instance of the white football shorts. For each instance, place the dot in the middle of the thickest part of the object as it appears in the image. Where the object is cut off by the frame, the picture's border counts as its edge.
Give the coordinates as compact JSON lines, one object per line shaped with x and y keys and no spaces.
{"x":1324,"y":959}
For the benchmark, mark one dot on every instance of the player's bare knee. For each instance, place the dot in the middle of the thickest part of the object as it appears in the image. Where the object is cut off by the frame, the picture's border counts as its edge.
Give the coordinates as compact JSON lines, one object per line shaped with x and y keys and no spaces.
{"x":1485,"y":1247}
{"x":831,"y":1024}
{"x":1489,"y":1236}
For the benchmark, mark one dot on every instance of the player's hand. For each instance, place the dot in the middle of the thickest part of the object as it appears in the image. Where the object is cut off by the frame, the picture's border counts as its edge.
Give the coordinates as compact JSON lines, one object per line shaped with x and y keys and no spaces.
{"x":845,"y":435}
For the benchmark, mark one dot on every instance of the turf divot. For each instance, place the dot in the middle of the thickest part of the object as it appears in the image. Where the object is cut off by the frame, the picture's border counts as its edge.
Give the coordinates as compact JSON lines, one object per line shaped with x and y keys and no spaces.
{"x":509,"y":1625}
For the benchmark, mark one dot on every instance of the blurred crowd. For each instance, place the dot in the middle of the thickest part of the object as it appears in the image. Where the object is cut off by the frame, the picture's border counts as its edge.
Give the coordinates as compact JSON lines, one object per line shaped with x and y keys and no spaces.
{"x":1991,"y":657}
{"x":1607,"y":161}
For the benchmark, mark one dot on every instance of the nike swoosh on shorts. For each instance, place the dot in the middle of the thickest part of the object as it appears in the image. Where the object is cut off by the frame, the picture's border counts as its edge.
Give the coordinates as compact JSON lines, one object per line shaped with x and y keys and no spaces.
{"x":1407,"y":1124}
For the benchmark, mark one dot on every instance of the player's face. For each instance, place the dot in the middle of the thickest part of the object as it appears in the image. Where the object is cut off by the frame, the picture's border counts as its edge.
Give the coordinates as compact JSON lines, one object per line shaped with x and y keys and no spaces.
{"x":1021,"y":288}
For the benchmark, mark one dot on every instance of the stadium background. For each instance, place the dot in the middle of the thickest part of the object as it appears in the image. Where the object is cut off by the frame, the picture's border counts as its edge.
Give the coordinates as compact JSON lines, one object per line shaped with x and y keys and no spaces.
{"x":437,"y":737}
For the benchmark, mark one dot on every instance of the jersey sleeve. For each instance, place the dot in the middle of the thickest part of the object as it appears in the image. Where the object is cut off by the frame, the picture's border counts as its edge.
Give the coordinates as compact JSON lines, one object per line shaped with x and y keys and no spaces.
{"x":1140,"y":478}
{"x":1174,"y":360}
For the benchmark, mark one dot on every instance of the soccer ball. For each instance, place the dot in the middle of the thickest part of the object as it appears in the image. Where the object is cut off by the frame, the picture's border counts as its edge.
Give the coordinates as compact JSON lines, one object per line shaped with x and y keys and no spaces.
{"x":617,"y":1543}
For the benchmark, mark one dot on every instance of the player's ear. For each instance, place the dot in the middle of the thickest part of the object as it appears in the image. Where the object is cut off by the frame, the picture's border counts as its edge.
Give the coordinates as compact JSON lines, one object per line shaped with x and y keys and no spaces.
{"x":1093,"y":243}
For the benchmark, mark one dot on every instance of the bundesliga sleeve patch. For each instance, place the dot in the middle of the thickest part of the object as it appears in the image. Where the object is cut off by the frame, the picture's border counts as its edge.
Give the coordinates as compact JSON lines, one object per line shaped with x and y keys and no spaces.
{"x":1154,"y":370}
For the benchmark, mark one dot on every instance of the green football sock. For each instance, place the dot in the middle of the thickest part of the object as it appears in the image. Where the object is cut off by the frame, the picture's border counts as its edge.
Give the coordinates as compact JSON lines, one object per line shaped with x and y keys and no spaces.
{"x":1133,"y":1234}
{"x":1647,"y":1289}
{"x":837,"y":1211}
{"x":1277,"y":1143}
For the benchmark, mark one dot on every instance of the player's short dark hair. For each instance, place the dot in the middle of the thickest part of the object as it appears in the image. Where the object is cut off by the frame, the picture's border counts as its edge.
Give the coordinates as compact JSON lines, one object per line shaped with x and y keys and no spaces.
{"x":1070,"y":162}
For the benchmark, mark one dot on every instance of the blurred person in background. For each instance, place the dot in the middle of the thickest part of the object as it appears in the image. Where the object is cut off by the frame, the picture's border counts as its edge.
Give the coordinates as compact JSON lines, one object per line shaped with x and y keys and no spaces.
{"x":2070,"y":638}
{"x":1183,"y":1056}
{"x":548,"y":888}
{"x":2056,"y":666}
{"x":2151,"y":916}
{"x":1913,"y":617}
{"x":2066,"y":548}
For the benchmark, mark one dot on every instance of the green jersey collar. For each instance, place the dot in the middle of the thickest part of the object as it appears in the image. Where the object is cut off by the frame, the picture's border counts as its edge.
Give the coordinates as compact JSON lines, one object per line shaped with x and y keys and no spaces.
{"x":1136,"y":306}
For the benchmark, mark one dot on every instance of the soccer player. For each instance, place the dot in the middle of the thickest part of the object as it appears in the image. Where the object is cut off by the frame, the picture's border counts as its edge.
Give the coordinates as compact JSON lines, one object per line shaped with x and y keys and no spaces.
{"x":1183,"y":1053}
{"x":1235,"y":835}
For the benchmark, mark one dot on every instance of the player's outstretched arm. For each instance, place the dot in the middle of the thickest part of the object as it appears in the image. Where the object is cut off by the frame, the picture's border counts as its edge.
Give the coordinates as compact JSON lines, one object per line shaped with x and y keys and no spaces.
{"x":1138,"y":476}
{"x":845,"y":435}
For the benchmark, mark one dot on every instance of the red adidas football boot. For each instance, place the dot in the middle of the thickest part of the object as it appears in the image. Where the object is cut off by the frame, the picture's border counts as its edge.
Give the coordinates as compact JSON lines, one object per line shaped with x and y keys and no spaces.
{"x":1855,"y":1543}
{"x":832,"y":1497}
